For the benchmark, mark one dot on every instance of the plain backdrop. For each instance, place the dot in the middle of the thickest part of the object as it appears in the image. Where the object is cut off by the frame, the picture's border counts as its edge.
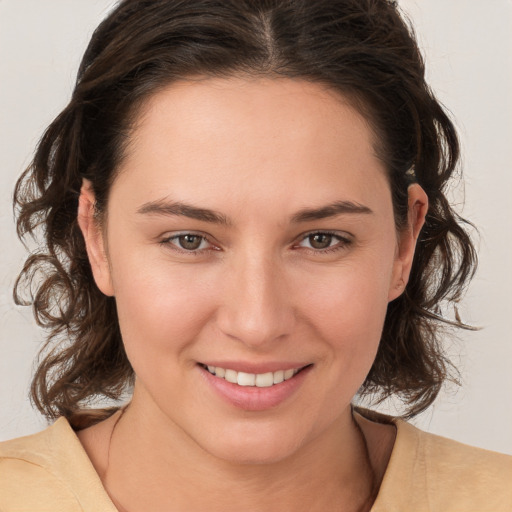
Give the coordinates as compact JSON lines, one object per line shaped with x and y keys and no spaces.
{"x":468,"y":49}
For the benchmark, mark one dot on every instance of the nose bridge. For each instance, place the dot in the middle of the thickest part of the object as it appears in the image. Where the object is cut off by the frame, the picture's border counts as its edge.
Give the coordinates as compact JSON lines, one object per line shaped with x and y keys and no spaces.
{"x":257,"y":309}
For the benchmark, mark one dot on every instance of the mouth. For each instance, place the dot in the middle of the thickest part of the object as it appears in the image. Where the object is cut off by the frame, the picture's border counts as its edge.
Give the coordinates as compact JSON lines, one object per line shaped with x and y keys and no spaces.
{"x":258,"y":380}
{"x":266,"y":388}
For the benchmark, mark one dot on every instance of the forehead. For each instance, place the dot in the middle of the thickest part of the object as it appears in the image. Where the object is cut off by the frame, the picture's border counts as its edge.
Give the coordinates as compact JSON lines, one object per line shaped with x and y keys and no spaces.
{"x":223,"y":135}
{"x":256,"y":107}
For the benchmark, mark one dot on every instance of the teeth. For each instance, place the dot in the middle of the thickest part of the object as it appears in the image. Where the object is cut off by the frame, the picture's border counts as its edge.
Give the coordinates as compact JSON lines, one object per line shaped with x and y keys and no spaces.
{"x":259,"y":380}
{"x":264,"y":380}
{"x":246,"y":379}
{"x":278,"y":376}
{"x":288,"y":374}
{"x":231,"y":376}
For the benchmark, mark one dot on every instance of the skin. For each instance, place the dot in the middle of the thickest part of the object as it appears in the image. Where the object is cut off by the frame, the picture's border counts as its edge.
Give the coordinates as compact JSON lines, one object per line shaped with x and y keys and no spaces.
{"x":257,"y":152}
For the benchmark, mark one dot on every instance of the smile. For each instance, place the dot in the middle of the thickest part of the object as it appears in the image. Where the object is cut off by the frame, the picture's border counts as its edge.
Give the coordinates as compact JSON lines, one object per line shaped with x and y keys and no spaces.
{"x":259,"y":380}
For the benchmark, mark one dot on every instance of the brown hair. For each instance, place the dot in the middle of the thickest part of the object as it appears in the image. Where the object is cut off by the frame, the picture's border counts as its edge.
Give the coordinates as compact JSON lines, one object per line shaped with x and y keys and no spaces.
{"x":362,"y":48}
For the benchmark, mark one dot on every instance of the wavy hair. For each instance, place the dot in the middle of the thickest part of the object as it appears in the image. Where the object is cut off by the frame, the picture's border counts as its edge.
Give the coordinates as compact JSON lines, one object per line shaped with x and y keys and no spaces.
{"x":364,"y":49}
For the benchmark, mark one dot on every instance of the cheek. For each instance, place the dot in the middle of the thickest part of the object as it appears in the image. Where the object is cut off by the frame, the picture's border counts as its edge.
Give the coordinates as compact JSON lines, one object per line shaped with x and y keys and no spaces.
{"x":347,"y":307}
{"x":161,"y":306}
{"x":344,"y":311}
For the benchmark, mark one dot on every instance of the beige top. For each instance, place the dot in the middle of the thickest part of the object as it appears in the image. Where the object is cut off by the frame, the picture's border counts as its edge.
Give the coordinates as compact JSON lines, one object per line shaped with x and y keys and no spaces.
{"x":50,"y":471}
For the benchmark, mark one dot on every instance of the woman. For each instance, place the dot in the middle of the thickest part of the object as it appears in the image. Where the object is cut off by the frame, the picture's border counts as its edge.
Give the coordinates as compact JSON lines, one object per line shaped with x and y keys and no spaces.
{"x":245,"y":227}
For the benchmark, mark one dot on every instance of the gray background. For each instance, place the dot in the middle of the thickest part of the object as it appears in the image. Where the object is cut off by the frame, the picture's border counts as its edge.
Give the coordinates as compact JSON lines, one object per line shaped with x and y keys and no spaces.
{"x":468,"y":49}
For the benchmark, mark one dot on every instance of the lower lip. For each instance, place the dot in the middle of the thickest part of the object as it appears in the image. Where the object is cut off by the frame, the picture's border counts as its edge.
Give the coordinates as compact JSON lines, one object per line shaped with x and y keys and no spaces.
{"x":252,"y":398}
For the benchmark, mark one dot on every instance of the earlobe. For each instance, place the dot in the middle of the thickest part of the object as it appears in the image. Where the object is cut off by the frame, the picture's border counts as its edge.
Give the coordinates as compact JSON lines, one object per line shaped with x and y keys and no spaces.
{"x":94,"y":239}
{"x":417,"y":211}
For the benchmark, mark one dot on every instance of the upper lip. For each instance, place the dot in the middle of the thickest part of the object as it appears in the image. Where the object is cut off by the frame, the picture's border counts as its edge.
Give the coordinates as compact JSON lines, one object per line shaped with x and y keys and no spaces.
{"x":251,"y":367}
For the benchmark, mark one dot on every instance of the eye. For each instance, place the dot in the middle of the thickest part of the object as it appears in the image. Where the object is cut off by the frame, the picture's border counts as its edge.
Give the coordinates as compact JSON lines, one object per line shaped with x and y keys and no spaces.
{"x":320,"y":240}
{"x":324,"y":241}
{"x":188,"y":242}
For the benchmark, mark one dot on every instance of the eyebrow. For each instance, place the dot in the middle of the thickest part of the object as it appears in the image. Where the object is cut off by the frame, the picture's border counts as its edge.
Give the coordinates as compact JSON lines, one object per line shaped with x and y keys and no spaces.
{"x":331,"y":210}
{"x":165,"y":207}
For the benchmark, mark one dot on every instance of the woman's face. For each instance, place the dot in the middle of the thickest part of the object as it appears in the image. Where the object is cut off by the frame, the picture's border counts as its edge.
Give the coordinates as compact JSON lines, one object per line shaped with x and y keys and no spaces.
{"x":250,"y":230}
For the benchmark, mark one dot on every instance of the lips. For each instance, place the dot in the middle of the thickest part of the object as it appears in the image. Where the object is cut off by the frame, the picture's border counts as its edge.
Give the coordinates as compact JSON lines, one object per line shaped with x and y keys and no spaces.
{"x":254,"y":390}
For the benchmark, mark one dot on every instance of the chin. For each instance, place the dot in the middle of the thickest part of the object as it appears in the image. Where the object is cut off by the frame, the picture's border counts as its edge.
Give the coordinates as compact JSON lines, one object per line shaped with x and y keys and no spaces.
{"x":253,"y":444}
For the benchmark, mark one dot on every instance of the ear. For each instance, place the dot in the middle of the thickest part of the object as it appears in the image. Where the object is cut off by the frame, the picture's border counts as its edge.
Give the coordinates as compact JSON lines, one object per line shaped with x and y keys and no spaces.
{"x":94,"y":239}
{"x":407,"y":238}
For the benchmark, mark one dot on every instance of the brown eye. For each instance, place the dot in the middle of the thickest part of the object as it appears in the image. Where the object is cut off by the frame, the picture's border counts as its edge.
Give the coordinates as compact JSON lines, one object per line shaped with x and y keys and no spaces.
{"x":190,"y":242}
{"x":323,"y":242}
{"x":320,"y":240}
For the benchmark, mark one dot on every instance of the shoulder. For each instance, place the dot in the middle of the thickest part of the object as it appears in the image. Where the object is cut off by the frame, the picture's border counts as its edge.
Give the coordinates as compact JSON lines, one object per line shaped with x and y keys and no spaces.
{"x":47,"y":471}
{"x":27,"y":463}
{"x":457,"y":471}
{"x":451,"y":457}
{"x":430,"y":472}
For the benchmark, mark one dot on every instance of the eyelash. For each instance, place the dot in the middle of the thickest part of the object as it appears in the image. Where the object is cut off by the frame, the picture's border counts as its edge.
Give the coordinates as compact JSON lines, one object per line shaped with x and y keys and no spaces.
{"x":168,"y":241}
{"x":342,"y":244}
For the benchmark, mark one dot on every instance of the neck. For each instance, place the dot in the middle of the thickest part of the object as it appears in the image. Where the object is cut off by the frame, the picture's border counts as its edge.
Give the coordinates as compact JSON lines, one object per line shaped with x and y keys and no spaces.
{"x":177,"y":474}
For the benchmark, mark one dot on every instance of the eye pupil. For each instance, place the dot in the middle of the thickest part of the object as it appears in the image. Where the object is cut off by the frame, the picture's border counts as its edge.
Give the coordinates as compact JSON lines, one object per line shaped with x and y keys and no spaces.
{"x":190,"y":242}
{"x":320,"y":240}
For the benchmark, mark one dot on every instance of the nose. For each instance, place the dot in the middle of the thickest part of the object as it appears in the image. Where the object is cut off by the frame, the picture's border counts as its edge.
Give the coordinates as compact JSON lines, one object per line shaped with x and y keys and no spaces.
{"x":257,"y":309}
